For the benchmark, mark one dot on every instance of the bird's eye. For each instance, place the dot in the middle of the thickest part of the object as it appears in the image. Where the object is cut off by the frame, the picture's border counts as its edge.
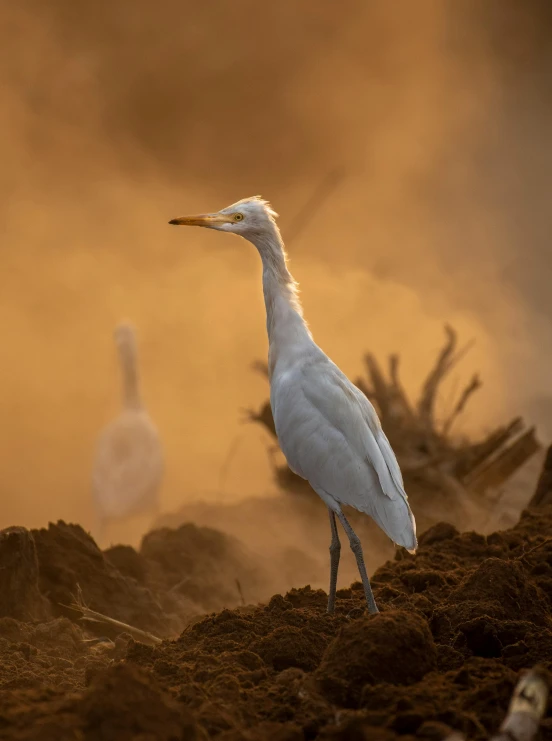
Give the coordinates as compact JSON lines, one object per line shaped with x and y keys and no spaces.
{"x":238,"y":217}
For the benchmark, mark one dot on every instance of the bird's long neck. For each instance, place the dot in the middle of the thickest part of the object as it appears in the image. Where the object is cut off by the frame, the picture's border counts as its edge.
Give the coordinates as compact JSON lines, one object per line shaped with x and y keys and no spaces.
{"x":129,"y":366}
{"x":286,"y":328}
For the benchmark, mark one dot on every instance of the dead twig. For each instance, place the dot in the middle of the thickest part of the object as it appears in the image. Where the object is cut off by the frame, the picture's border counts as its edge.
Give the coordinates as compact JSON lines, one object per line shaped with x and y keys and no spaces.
{"x":380,"y":392}
{"x":260,"y":367}
{"x":328,"y":184}
{"x":78,"y":605}
{"x":429,"y":390}
{"x":446,"y":360}
{"x":524,"y":555}
{"x":476,"y":455}
{"x":238,"y":585}
{"x":176,"y":587}
{"x":232,"y":450}
{"x":470,"y":389}
{"x":263,"y":416}
{"x":494,"y":472}
{"x":543,"y":492}
{"x":399,"y":406}
{"x":460,"y":354}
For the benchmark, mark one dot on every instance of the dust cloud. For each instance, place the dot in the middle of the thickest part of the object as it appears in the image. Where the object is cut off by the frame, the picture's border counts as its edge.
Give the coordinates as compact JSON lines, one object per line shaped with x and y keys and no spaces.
{"x":115,"y":119}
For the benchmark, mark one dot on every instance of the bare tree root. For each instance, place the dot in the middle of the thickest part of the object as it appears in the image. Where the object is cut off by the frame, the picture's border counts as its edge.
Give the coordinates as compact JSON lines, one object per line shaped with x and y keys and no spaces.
{"x":432,"y":382}
{"x":470,"y":389}
{"x":543,"y":492}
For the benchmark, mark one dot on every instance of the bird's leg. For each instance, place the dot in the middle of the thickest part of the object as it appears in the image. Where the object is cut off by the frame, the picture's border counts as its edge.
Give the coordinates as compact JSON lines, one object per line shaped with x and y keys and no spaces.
{"x":356,"y":548}
{"x":335,"y":551}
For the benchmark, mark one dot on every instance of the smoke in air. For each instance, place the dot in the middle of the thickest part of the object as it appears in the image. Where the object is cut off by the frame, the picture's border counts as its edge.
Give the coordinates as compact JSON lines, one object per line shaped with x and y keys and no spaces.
{"x":114,"y":122}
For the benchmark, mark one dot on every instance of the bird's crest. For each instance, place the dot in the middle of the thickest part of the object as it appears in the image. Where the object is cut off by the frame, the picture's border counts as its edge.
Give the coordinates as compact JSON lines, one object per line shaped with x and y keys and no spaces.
{"x":262,"y":202}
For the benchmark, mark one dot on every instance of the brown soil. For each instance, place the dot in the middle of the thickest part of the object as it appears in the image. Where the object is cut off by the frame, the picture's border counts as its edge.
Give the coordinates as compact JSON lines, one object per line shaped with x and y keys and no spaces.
{"x":458,"y":623}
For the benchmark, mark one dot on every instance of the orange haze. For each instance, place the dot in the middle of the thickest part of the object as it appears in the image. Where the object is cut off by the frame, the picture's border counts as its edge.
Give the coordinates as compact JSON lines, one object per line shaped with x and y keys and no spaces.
{"x":116,"y":117}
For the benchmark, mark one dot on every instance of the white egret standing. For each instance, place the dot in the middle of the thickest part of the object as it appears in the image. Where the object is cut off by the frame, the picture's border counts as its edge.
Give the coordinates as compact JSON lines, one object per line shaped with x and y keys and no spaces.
{"x":328,"y":431}
{"x":128,"y":467}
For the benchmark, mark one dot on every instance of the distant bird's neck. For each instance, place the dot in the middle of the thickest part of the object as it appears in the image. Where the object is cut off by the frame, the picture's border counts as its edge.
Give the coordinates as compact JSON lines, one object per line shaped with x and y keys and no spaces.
{"x":129,"y":367}
{"x":286,"y":328}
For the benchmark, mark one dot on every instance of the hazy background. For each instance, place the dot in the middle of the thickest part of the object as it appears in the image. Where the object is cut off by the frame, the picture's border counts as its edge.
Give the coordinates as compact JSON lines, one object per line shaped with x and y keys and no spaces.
{"x":116,"y":117}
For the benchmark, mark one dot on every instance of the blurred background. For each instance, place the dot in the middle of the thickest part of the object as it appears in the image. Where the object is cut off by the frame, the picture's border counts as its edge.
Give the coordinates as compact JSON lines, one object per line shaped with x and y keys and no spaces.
{"x":116,"y":117}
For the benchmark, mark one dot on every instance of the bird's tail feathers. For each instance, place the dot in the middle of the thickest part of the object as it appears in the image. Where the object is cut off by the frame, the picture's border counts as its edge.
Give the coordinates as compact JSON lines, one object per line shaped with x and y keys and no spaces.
{"x":395,"y":518}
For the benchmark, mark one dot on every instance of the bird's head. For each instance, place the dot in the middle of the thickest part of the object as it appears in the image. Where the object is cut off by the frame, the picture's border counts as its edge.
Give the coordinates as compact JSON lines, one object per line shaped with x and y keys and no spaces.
{"x":124,"y":333}
{"x":247,"y":218}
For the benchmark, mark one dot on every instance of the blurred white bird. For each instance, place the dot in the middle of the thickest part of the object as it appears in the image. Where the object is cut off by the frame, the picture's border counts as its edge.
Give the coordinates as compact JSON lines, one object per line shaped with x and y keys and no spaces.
{"x":128,"y":467}
{"x":328,"y":430}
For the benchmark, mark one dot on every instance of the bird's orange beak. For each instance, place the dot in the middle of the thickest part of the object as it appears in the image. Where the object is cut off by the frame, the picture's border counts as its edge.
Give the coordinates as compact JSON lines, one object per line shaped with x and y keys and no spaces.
{"x":207,"y":220}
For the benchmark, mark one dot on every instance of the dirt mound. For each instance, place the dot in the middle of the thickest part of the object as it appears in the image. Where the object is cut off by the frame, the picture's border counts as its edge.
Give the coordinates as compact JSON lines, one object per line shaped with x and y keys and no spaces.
{"x":69,"y":558}
{"x":205,"y":566}
{"x":128,"y":561}
{"x":20,"y":596}
{"x":458,"y":622}
{"x":395,"y":647}
{"x":177,"y":576}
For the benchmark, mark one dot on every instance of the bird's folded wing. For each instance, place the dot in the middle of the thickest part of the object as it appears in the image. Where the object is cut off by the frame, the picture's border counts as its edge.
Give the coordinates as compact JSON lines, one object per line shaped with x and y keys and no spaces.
{"x":347,"y":409}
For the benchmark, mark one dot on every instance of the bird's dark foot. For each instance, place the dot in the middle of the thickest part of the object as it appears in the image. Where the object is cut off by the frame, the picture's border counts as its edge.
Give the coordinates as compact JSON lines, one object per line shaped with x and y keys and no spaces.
{"x":356,"y":613}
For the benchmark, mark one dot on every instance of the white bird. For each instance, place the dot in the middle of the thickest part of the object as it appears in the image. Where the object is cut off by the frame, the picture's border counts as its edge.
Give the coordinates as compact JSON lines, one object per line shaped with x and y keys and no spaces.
{"x":327,"y":429}
{"x":128,"y":466}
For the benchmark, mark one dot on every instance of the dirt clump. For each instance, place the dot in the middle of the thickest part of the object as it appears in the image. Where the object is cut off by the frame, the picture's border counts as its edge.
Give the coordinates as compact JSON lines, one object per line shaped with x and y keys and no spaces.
{"x":128,"y":561}
{"x":394,"y":647}
{"x":124,"y":702}
{"x":501,"y":587}
{"x":52,"y":655}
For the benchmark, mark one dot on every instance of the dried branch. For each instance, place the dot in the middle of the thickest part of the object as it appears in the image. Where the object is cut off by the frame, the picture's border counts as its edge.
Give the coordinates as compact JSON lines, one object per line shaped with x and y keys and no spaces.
{"x":475,"y":455}
{"x":470,"y":389}
{"x":240,"y":591}
{"x":494,"y":473}
{"x":432,"y":382}
{"x":543,"y":492}
{"x":399,"y":406}
{"x":259,"y":367}
{"x":460,"y":354}
{"x":324,"y":189}
{"x":78,"y":605}
{"x":232,"y":450}
{"x":263,"y":416}
{"x":525,"y":553}
{"x":379,"y":385}
{"x":415,"y":464}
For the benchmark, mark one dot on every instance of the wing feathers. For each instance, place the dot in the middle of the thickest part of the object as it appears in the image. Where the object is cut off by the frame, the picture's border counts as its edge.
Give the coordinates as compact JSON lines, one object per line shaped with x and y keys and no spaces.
{"x":330,"y":433}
